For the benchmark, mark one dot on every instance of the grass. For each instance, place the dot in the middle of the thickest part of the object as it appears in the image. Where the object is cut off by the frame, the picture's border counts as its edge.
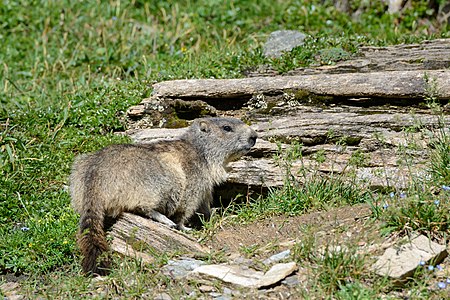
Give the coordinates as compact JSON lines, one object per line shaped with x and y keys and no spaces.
{"x":69,"y":70}
{"x":304,"y":189}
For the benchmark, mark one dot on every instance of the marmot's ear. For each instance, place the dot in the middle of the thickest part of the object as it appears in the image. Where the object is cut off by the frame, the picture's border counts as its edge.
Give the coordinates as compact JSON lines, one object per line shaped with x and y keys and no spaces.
{"x":204,"y":126}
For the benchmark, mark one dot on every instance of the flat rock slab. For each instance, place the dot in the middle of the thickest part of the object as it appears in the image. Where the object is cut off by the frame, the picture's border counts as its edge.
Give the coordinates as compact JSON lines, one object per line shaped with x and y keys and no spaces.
{"x":403,"y":84}
{"x":136,"y":236}
{"x":247,"y":277}
{"x":277,"y":273}
{"x":281,"y":41}
{"x":400,"y":262}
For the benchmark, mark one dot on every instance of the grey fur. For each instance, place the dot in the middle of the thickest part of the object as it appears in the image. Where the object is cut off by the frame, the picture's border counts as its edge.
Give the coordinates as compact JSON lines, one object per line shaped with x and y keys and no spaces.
{"x":165,"y":180}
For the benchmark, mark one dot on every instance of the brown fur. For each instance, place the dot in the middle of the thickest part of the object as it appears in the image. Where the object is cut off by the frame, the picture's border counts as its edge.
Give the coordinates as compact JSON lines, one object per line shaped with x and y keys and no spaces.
{"x":165,"y":180}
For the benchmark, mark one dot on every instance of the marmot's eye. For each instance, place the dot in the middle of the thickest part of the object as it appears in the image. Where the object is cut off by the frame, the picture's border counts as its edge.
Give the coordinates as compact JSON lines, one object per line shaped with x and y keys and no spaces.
{"x":227,"y":128}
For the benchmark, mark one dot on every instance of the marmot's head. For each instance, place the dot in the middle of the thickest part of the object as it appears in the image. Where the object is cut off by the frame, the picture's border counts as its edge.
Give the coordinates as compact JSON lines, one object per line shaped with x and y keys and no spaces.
{"x":222,"y":139}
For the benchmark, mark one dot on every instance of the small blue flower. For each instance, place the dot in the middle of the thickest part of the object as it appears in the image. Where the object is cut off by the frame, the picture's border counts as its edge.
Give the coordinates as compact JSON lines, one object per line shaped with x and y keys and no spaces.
{"x":114,"y":18}
{"x":385,"y":206}
{"x":402,"y":195}
{"x":24,"y":228}
{"x":391,"y":194}
{"x":442,"y":285}
{"x":439,"y":267}
{"x":422,"y":263}
{"x":437,"y":202}
{"x":446,"y":188}
{"x":430,"y":268}
{"x":448,"y":281}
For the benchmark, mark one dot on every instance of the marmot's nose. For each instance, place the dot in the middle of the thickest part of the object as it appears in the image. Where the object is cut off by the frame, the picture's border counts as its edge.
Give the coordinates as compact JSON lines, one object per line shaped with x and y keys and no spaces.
{"x":252,"y":140}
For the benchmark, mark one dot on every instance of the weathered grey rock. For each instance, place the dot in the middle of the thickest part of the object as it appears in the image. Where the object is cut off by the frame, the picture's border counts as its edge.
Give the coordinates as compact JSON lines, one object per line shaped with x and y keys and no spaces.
{"x":232,"y":274}
{"x":281,"y":41}
{"x":247,"y":277}
{"x":394,"y":84}
{"x":292,"y":280}
{"x":277,"y":257}
{"x":400,"y":262}
{"x":180,"y":268}
{"x":132,"y":235}
{"x":427,"y":55}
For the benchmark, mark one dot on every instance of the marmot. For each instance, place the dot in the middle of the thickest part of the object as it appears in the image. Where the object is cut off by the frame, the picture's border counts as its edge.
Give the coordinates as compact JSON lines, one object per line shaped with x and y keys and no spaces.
{"x":167,"y":180}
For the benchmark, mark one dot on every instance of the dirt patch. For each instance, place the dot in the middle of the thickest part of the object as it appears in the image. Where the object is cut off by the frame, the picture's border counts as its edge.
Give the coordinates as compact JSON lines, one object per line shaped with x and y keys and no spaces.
{"x":352,"y":222}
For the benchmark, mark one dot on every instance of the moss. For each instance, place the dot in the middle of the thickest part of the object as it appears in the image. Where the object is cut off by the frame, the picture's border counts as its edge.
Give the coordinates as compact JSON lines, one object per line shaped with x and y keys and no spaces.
{"x":308,"y":98}
{"x":173,"y":121}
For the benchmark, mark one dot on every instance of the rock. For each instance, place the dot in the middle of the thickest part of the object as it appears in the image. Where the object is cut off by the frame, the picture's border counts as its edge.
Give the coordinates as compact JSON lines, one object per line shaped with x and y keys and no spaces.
{"x":291,"y":281}
{"x":9,"y":290}
{"x":277,"y":257}
{"x":247,"y":277}
{"x":242,"y":261}
{"x":9,"y":287}
{"x":223,"y":297}
{"x":400,"y":262}
{"x":227,"y":291}
{"x":232,"y":274}
{"x":163,"y":296}
{"x":206,"y":288}
{"x":394,"y":6}
{"x":180,"y":268}
{"x":358,"y":85}
{"x":215,"y":295}
{"x":281,"y":41}
{"x":132,"y":235}
{"x":147,"y":135}
{"x":277,"y":273}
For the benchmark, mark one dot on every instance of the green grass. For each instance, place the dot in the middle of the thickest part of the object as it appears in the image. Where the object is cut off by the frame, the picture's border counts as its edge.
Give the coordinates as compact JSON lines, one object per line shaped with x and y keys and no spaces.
{"x":70,"y":69}
{"x":303,"y":190}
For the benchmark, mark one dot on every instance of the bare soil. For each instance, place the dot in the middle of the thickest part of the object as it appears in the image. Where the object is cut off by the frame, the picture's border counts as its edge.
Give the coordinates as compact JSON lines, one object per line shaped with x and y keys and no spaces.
{"x":352,"y":223}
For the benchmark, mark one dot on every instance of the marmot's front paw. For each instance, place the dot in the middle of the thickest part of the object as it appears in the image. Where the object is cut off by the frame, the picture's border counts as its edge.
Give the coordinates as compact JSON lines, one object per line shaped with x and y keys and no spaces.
{"x":181,"y":227}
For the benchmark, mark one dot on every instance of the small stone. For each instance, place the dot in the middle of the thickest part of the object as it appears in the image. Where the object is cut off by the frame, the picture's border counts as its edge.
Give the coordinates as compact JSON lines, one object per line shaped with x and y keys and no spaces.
{"x":206,"y":288}
{"x":163,"y":296}
{"x":180,"y":268}
{"x":282,"y":41}
{"x":215,"y":294}
{"x":277,"y":257}
{"x":231,"y":274}
{"x":15,"y":297}
{"x":291,"y":281}
{"x":243,"y":261}
{"x":9,"y":290}
{"x":442,"y":271}
{"x":9,"y":286}
{"x":223,"y":297}
{"x":277,"y":273}
{"x":227,"y":291}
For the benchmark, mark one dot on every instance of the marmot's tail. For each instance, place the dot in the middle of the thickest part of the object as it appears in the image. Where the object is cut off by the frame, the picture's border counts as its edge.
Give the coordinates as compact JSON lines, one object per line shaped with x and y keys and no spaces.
{"x":92,"y":242}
